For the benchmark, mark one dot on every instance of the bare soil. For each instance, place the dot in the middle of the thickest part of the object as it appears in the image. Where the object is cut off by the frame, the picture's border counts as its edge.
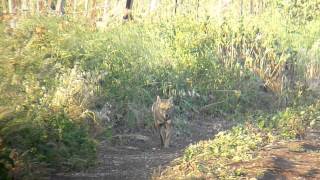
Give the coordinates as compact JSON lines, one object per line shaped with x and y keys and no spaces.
{"x":286,"y":160}
{"x":138,"y":156}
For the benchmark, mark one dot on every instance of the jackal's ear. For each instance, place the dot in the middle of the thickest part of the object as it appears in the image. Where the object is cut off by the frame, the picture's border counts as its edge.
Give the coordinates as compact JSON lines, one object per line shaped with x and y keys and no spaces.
{"x":171,"y":100}
{"x":158,"y":99}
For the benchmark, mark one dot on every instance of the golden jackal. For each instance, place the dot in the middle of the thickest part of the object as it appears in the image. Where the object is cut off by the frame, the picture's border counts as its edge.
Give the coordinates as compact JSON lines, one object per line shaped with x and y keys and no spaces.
{"x":162,"y":111}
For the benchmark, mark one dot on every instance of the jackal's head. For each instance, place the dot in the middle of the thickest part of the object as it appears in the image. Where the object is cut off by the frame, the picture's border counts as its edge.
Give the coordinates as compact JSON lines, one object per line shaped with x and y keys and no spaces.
{"x":164,"y":107}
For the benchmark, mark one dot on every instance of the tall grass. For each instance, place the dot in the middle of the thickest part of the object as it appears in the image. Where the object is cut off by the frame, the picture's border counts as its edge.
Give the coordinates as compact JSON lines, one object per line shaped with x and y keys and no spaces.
{"x":62,"y":80}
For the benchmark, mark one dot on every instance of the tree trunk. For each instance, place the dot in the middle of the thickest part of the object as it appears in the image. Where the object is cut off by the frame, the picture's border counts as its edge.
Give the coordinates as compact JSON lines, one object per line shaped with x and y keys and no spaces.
{"x":128,"y":15}
{"x":38,"y":6}
{"x":58,"y":6}
{"x":42,"y":6}
{"x":63,"y":5}
{"x":175,"y":6}
{"x":10,"y":6}
{"x":261,"y":4}
{"x":4,"y":6}
{"x":75,"y":7}
{"x":15,"y":6}
{"x":30,"y":6}
{"x":105,"y":8}
{"x":49,"y":4}
{"x":94,"y":10}
{"x":24,"y":6}
{"x":251,"y":6}
{"x":129,"y":4}
{"x":241,"y":7}
{"x":86,"y":7}
{"x":198,"y":6}
{"x":154,"y":5}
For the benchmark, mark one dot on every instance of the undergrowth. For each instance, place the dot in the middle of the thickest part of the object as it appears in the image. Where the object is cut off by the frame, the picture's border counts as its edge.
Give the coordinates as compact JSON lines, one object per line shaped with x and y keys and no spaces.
{"x":63,"y":83}
{"x":211,"y":159}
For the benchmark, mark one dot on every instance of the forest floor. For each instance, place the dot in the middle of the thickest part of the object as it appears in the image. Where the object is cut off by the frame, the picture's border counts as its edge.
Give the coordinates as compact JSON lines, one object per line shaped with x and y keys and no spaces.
{"x":138,"y":156}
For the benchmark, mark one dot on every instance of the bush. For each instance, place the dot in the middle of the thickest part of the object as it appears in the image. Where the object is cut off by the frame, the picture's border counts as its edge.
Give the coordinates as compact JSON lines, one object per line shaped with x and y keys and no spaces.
{"x":61,"y":80}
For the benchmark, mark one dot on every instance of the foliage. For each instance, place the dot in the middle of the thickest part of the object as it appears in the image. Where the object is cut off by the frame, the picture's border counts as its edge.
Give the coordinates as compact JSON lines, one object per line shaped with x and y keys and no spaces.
{"x":212,"y":158}
{"x":62,"y":82}
{"x":292,"y":122}
{"x":42,"y":123}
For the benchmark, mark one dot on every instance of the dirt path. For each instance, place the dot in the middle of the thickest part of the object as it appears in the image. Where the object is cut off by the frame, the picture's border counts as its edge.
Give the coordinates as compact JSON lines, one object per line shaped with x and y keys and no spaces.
{"x":285,"y":160}
{"x":137,"y":156}
{"x":299,"y":159}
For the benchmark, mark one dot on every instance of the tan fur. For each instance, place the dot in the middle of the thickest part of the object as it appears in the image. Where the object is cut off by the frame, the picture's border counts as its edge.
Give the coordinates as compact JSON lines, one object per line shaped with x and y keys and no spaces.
{"x":162,"y":111}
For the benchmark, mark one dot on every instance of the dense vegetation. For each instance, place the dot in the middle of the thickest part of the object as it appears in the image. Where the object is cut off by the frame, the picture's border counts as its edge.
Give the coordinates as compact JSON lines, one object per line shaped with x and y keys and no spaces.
{"x":212,"y":158}
{"x":64,"y":83}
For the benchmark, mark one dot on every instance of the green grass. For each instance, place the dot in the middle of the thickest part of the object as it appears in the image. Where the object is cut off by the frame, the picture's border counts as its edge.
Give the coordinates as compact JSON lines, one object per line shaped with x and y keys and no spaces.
{"x":211,"y":158}
{"x":57,"y":71}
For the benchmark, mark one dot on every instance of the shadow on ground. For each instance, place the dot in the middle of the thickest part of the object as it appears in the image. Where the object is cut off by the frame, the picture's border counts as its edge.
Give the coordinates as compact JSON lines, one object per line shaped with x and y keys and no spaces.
{"x":285,"y":160}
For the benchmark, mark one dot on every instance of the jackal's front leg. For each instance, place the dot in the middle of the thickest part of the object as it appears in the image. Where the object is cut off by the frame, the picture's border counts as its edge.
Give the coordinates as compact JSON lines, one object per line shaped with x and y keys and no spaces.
{"x":168,"y":131}
{"x":162,"y":130}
